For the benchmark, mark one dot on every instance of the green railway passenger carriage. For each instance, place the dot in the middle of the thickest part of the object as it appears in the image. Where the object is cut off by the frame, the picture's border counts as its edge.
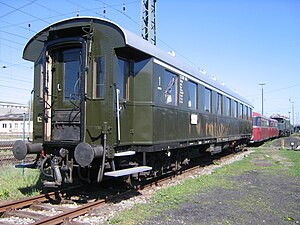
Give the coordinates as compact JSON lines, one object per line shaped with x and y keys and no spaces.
{"x":108,"y":103}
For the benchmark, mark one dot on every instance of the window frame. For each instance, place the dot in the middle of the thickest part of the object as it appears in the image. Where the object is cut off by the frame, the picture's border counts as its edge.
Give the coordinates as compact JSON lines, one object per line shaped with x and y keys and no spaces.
{"x":241,"y":111}
{"x":99,"y":75}
{"x":168,"y":85}
{"x":124,"y":87}
{"x":219,"y":104}
{"x":227,"y":106}
{"x":234,"y":111}
{"x":208,"y":100}
{"x":68,"y":88}
{"x":194,"y":102}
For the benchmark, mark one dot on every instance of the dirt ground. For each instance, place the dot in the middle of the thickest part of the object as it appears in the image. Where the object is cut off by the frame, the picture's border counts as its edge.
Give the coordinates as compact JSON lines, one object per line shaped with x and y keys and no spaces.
{"x":258,"y":196}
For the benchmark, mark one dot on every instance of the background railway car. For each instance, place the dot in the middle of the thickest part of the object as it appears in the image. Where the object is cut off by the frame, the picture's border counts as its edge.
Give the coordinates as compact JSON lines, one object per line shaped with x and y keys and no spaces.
{"x":108,"y":103}
{"x":284,"y":125}
{"x":264,"y":128}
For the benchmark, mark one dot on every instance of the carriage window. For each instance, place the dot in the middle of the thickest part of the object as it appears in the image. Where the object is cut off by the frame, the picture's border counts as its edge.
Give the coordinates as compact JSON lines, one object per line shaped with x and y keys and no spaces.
{"x":170,"y":88}
{"x":123,"y":75}
{"x":264,"y":122}
{"x":234,"y":109}
{"x":192,"y":95}
{"x":246,"y":113}
{"x":219,"y":104}
{"x":98,"y":73}
{"x":250,"y":114}
{"x":256,"y":121}
{"x":207,"y":100}
{"x":71,"y":60}
{"x":227,"y":107}
{"x":241,"y":111}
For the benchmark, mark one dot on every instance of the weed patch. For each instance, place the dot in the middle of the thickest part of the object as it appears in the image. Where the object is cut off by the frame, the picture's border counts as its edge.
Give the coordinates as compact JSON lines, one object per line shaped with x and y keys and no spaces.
{"x":13,"y":185}
{"x":293,"y":162}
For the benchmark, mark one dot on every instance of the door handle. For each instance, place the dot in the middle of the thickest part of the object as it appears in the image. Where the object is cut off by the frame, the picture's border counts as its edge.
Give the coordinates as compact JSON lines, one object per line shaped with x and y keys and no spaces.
{"x":58,"y":88}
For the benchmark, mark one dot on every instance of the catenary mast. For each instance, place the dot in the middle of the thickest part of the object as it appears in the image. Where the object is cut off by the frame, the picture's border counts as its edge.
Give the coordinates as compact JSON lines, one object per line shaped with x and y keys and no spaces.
{"x":148,"y":20}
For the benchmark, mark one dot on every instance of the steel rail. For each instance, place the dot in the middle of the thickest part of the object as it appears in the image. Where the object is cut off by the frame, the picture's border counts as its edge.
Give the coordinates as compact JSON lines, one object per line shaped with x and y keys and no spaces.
{"x":73,"y":213}
{"x":70,"y":214}
{"x":25,"y":202}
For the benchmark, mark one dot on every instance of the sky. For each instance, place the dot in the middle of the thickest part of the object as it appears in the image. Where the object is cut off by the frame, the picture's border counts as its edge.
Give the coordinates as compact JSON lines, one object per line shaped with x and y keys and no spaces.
{"x":243,"y":43}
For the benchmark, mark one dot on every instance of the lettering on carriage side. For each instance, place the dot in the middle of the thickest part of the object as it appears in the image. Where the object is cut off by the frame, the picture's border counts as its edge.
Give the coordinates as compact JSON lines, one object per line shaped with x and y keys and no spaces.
{"x":159,"y":84}
{"x":181,"y":92}
{"x":209,"y":128}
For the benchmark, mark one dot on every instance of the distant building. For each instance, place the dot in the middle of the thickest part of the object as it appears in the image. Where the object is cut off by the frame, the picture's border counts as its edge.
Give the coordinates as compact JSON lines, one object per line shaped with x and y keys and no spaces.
{"x":12,"y":122}
{"x":12,"y":108}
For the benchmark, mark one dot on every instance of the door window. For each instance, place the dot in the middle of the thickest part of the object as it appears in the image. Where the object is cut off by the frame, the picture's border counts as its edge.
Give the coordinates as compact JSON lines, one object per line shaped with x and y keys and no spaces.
{"x":99,"y":72}
{"x":123,"y":76}
{"x":71,"y":61}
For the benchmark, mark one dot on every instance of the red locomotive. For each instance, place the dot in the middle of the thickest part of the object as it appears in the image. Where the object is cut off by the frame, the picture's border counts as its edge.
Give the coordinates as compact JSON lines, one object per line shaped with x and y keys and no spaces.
{"x":263,"y":128}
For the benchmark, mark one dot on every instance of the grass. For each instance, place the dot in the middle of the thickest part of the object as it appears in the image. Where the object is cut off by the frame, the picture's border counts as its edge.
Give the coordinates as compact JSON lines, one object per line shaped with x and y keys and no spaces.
{"x":171,"y":197}
{"x":293,"y":157}
{"x":13,"y":185}
{"x":168,"y":198}
{"x":282,"y":162}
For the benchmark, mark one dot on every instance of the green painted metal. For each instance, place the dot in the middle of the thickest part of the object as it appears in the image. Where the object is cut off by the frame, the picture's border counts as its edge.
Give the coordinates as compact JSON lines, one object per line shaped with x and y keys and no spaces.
{"x":145,"y":118}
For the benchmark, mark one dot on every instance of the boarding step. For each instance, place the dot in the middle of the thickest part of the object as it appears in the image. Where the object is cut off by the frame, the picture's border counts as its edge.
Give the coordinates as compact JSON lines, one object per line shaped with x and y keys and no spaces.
{"x":26,"y":165}
{"x":126,"y":153}
{"x":49,"y":184}
{"x":124,"y":172}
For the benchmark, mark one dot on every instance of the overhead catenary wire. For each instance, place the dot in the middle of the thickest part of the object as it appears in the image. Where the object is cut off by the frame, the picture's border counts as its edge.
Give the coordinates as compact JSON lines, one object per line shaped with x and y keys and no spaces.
{"x":15,"y":88}
{"x":15,"y":42}
{"x":277,"y":90}
{"x":13,"y":79}
{"x":15,"y":35}
{"x":49,"y":9}
{"x":9,"y":64}
{"x":10,"y":47}
{"x":15,"y":9}
{"x":116,"y":9}
{"x":80,"y":6}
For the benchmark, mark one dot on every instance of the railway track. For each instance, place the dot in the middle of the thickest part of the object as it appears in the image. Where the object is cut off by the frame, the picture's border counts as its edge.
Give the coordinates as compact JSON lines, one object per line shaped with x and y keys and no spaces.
{"x":11,"y":160}
{"x":70,"y":213}
{"x":38,"y":210}
{"x":25,"y":202}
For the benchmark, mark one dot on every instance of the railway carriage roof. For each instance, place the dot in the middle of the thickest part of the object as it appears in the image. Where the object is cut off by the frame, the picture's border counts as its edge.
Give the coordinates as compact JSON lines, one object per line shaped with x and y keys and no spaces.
{"x":36,"y":44}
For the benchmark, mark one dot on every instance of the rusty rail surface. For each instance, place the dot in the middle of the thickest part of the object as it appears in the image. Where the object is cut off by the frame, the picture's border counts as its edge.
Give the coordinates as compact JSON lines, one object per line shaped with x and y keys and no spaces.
{"x":70,"y":214}
{"x":76,"y":212}
{"x":25,"y":202}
